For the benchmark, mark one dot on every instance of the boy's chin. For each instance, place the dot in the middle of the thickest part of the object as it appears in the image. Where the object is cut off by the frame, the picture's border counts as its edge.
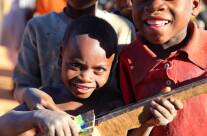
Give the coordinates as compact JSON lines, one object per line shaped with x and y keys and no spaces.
{"x":82,"y":96}
{"x":158,"y":41}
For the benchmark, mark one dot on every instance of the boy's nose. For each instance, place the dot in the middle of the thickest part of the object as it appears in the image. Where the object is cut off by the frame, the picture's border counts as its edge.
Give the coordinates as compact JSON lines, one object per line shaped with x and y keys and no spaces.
{"x":86,"y":76}
{"x":155,"y":6}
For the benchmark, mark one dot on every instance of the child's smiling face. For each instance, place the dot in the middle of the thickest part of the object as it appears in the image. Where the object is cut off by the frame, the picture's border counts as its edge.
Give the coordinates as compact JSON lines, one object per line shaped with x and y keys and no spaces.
{"x":85,"y":66}
{"x":160,"y":21}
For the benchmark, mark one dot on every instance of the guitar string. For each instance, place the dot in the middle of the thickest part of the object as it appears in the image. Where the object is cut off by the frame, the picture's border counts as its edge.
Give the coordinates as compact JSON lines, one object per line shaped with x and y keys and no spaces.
{"x":138,"y":103}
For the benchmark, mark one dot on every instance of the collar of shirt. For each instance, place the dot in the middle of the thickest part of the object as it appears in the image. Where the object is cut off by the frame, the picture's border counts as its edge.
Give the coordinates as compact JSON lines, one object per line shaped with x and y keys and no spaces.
{"x":196,"y":47}
{"x":146,"y":58}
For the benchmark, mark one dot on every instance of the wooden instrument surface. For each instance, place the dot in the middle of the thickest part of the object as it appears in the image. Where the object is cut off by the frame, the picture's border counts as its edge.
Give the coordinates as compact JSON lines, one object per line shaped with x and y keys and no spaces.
{"x":119,"y":121}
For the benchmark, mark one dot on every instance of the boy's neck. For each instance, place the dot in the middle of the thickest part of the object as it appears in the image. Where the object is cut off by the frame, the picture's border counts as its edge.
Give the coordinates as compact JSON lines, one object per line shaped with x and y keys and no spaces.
{"x":162,"y":51}
{"x":74,"y":13}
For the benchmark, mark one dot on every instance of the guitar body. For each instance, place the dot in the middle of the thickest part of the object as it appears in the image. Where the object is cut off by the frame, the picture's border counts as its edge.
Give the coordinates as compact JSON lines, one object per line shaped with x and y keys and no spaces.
{"x":118,"y":122}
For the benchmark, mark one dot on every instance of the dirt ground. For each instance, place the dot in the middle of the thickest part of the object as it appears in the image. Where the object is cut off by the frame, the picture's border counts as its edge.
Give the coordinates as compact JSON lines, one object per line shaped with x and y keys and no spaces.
{"x":7,"y":101}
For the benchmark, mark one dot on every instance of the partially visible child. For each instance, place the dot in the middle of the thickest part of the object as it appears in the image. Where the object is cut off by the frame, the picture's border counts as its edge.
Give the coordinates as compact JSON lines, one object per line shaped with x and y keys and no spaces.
{"x":86,"y":57}
{"x":169,"y":51}
{"x":201,"y":19}
{"x":37,"y":62}
{"x":124,"y":8}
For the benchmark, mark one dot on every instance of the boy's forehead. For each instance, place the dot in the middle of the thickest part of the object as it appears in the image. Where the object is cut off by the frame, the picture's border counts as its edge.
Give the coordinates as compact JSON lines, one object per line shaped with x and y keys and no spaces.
{"x":82,"y":40}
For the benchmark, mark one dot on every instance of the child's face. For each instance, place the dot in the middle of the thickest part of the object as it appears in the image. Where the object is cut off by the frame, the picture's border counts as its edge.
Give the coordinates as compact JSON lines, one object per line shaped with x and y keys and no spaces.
{"x":81,"y":4}
{"x":160,"y":21}
{"x":85,"y":66}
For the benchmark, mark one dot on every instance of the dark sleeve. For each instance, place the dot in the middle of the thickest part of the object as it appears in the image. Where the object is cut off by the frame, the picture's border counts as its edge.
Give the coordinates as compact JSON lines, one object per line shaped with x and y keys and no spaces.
{"x":27,"y":70}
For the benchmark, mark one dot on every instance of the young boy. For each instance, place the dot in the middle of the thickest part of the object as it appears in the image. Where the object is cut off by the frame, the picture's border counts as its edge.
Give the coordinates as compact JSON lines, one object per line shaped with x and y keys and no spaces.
{"x":86,"y":57}
{"x":84,"y":72}
{"x":37,"y":61}
{"x":169,"y":51}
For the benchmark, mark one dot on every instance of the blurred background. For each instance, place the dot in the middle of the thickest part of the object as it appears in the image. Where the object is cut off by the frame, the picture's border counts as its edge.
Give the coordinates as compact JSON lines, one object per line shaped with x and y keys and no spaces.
{"x":14,"y":15}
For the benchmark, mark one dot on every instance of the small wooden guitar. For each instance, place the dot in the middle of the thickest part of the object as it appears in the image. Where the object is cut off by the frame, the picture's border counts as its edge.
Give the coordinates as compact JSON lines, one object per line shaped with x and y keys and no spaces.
{"x":119,"y":121}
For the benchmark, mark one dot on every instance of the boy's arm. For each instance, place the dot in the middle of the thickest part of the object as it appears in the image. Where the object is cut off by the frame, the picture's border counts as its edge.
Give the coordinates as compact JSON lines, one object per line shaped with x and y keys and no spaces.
{"x":27,"y":70}
{"x":27,"y":75}
{"x":16,"y":122}
{"x":34,"y":98}
{"x":19,"y":120}
{"x":19,"y":92}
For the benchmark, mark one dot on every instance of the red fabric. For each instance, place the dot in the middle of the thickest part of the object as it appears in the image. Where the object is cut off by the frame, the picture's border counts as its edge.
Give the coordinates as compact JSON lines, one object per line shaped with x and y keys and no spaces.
{"x":46,"y":6}
{"x":142,"y":75}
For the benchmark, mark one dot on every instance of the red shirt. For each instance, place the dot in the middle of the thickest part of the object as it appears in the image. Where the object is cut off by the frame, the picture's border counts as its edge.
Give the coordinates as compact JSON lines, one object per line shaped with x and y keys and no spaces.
{"x":143,"y":74}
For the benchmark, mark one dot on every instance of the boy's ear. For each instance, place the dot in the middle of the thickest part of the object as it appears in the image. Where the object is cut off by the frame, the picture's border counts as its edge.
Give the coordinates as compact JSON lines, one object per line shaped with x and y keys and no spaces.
{"x":195,"y":7}
{"x":60,"y":57}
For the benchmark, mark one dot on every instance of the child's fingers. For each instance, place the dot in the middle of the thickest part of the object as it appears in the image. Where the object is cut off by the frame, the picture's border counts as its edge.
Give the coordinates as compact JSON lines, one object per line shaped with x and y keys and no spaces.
{"x":166,"y":104}
{"x":66,"y":129}
{"x":66,"y":126}
{"x":73,"y":127}
{"x":177,"y":103}
{"x":59,"y":130}
{"x":162,"y":110}
{"x":51,"y":131}
{"x":159,"y":118}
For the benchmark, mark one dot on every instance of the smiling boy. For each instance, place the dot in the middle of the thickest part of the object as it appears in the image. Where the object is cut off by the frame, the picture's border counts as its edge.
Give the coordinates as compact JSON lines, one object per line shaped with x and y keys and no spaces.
{"x":169,"y":51}
{"x":37,"y":62}
{"x":86,"y":57}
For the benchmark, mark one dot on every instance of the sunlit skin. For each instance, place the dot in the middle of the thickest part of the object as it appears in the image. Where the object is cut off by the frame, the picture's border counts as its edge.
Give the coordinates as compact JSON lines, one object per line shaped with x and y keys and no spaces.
{"x":163,"y":22}
{"x":85,"y":67}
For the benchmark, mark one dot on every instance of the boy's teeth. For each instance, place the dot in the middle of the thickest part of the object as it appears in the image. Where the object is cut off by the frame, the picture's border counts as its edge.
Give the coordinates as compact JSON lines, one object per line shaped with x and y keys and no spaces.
{"x":156,"y":22}
{"x":81,"y":87}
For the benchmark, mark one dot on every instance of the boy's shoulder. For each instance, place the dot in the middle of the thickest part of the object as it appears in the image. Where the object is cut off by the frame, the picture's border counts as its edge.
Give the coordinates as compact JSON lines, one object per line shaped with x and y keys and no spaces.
{"x":198,"y":36}
{"x":49,"y":19}
{"x":202,"y":33}
{"x":51,"y":22}
{"x":114,"y":19}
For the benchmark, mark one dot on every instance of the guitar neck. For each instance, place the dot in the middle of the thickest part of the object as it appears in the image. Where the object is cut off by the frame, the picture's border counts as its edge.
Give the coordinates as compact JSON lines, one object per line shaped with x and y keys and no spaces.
{"x":119,"y":121}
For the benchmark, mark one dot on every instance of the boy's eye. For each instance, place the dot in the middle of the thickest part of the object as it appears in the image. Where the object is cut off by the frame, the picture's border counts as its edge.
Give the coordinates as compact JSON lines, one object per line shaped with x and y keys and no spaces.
{"x":76,"y":65}
{"x":99,"y":69}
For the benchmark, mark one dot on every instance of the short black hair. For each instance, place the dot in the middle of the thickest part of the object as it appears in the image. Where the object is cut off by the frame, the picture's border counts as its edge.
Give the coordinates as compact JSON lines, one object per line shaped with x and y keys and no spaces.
{"x":96,"y":28}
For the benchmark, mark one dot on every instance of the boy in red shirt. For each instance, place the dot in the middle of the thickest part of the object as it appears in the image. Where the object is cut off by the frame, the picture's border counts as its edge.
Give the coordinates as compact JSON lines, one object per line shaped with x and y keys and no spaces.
{"x":169,"y":51}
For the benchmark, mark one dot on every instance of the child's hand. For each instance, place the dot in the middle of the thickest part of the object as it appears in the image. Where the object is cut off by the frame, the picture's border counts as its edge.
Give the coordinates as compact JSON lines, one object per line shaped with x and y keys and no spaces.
{"x":37,"y":99}
{"x":54,"y":123}
{"x":164,"y":110}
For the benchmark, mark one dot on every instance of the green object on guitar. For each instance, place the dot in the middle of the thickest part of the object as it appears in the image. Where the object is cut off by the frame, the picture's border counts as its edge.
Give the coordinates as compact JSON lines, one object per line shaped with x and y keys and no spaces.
{"x":80,"y":124}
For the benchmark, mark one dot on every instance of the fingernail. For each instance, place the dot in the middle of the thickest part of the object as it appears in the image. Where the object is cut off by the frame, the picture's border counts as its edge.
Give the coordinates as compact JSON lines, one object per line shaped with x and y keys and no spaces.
{"x":166,"y":90}
{"x":152,"y":103}
{"x":158,"y":99}
{"x":172,"y":99}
